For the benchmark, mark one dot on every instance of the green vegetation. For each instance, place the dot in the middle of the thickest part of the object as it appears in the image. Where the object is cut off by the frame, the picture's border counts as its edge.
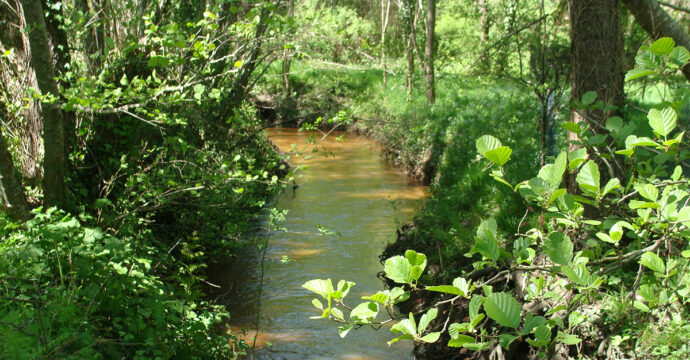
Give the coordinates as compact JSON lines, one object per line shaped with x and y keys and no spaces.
{"x":551,"y":133}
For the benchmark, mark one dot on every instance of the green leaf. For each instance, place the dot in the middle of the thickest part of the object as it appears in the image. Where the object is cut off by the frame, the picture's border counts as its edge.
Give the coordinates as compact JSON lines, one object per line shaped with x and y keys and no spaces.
{"x":610,"y":186}
{"x":640,"y":306}
{"x":653,"y":262}
{"x":677,"y":172}
{"x":398,"y":269}
{"x":402,"y":337}
{"x":588,"y":178}
{"x":337,"y":313}
{"x":499,"y":156}
{"x":578,"y":274}
{"x":485,"y":241}
{"x":503,"y":308}
{"x":464,"y":285}
{"x":379,"y":297}
{"x":662,"y":122}
{"x":321,"y":287}
{"x":568,"y":339}
{"x":344,"y":329}
{"x":448,"y":289}
{"x":461,"y":340}
{"x":589,"y":97}
{"x":576,"y":158}
{"x":416,"y":258}
{"x":506,"y":339}
{"x":571,"y":126}
{"x":614,"y":124}
{"x":455,"y":329}
{"x":679,"y":56}
{"x":542,"y":336}
{"x":473,"y":309}
{"x":431,"y":337}
{"x":648,"y":59}
{"x":637,"y":73}
{"x":487,"y":143}
{"x":156,"y":61}
{"x":416,"y":272}
{"x":317,"y":304}
{"x":364,"y":312}
{"x":426,"y":320}
{"x":647,"y":191}
{"x":406,"y":326}
{"x":558,"y":247}
{"x":662,"y":46}
{"x":553,"y":173}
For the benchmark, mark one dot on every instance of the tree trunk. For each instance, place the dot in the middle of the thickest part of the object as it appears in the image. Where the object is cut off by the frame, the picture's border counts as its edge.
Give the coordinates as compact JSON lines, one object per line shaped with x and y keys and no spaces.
{"x":11,"y":194}
{"x":287,"y":52}
{"x":596,"y":48}
{"x":53,"y":123}
{"x":657,"y":23}
{"x":429,"y":51}
{"x":385,"y":12}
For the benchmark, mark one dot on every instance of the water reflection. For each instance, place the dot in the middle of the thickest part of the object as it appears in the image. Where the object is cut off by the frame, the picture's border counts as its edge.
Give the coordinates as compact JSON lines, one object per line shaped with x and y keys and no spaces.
{"x":350,"y":190}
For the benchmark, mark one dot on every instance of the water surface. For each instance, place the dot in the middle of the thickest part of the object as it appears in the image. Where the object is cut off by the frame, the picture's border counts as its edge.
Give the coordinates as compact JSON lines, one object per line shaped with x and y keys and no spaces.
{"x":348,"y":189}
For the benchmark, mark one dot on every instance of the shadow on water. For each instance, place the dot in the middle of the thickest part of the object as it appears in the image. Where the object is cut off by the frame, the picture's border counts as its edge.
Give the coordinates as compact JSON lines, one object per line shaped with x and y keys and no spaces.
{"x":357,"y":195}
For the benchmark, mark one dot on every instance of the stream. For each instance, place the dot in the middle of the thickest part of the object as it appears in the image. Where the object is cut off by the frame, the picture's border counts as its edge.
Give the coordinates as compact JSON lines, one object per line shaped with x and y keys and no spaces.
{"x":346,"y":188}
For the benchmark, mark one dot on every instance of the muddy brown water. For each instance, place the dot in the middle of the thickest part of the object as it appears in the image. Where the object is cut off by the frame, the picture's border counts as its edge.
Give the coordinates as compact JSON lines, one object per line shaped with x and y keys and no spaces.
{"x":349,"y":189}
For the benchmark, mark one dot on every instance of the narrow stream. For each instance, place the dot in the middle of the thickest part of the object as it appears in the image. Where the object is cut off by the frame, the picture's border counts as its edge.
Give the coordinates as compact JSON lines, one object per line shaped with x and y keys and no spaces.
{"x":347,"y":188}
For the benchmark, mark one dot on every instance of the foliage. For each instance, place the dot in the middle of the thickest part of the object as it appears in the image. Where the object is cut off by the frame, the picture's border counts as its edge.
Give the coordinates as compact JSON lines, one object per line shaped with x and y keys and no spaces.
{"x":620,"y":242}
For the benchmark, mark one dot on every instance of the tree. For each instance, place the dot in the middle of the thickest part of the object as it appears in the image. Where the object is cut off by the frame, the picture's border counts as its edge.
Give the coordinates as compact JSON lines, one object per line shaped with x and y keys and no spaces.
{"x":429,"y":51}
{"x":657,"y":23}
{"x":53,"y":121}
{"x":596,"y":58}
{"x":385,"y":13}
{"x":11,"y":194}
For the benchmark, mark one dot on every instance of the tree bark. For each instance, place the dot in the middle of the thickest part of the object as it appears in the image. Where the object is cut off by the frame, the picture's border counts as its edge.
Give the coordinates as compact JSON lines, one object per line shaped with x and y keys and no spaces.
{"x":53,"y":122}
{"x":287,"y":52}
{"x":385,"y":12}
{"x":596,"y":59}
{"x":429,"y":51}
{"x":11,"y":194}
{"x":657,"y":23}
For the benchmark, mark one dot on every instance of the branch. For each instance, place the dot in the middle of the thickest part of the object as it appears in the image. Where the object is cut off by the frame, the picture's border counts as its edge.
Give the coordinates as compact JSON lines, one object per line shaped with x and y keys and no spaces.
{"x":675,"y":7}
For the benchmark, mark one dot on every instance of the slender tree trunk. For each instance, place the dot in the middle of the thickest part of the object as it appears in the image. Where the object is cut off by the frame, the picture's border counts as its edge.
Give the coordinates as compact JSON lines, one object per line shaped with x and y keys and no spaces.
{"x":287,"y":52}
{"x":408,"y":35}
{"x":53,"y":123}
{"x":385,"y":12}
{"x":658,"y":23}
{"x":429,"y":51}
{"x":12,"y":196}
{"x":596,"y":59}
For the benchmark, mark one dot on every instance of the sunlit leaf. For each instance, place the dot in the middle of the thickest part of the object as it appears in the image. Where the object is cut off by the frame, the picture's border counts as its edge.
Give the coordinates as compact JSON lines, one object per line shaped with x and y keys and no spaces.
{"x":503,"y":308}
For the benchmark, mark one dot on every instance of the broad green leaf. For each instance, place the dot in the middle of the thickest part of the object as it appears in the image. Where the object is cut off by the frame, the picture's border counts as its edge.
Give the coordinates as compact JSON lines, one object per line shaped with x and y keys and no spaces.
{"x":636,"y":204}
{"x":503,"y":308}
{"x":337,"y":313}
{"x":578,"y":274}
{"x":571,"y":126}
{"x":477,"y":346}
{"x":321,"y":287}
{"x":402,"y":337}
{"x":558,"y":247}
{"x":156,"y":61}
{"x":345,"y":286}
{"x":344,"y":329}
{"x":416,"y":272}
{"x":648,"y":59}
{"x":499,"y":156}
{"x":426,"y":319}
{"x":364,"y":312}
{"x":379,"y":297}
{"x":416,"y":258}
{"x":614,"y":124}
{"x":532,"y":322}
{"x":576,"y":158}
{"x":588,"y":178}
{"x":679,"y":56}
{"x":553,"y":173}
{"x":677,"y":172}
{"x":589,"y":97}
{"x":487,"y":143}
{"x":606,"y":238}
{"x":647,"y":191}
{"x":430,"y":337}
{"x":640,"y":141}
{"x":610,"y":186}
{"x":461,"y":340}
{"x":542,"y":336}
{"x":568,"y":339}
{"x":398,"y":269}
{"x":485,"y":241}
{"x":662,"y":122}
{"x":473,"y":309}
{"x":317,"y":304}
{"x":506,"y":339}
{"x":406,"y":326}
{"x":464,"y":285}
{"x":640,"y":306}
{"x":455,"y":329}
{"x":448,"y":289}
{"x":662,"y":46}
{"x":653,"y":262}
{"x":637,"y":73}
